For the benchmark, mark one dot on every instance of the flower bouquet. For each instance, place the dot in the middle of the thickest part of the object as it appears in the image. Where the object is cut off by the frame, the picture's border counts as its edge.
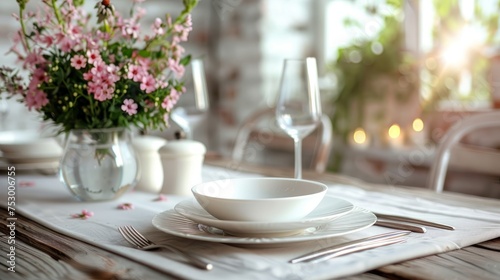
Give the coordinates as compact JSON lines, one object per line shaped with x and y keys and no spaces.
{"x":102,"y":73}
{"x":94,"y":79}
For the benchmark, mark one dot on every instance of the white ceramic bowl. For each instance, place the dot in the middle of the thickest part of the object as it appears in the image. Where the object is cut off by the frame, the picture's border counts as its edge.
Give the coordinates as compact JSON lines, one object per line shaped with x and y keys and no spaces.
{"x":28,"y":143}
{"x":259,"y":199}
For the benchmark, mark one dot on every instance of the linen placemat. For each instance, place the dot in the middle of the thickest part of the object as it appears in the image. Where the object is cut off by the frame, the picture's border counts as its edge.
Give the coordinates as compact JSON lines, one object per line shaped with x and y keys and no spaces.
{"x":45,"y":200}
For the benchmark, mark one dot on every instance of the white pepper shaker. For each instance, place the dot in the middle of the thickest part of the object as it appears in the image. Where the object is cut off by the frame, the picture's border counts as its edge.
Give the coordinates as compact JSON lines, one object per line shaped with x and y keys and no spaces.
{"x":151,"y":171}
{"x":182,"y":162}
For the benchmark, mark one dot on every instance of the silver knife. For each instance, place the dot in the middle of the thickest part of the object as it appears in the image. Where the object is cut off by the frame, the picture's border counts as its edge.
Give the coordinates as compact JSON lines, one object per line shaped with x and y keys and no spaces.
{"x":403,"y":226}
{"x":413,"y":220}
{"x":353,"y":246}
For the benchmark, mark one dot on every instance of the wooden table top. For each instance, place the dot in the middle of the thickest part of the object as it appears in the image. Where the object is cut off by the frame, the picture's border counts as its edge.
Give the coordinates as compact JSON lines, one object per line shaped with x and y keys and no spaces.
{"x":42,"y":253}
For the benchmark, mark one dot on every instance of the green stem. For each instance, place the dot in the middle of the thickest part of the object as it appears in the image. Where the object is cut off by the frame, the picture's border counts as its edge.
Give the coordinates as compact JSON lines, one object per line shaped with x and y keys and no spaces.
{"x":23,"y":27}
{"x":57,"y":13}
{"x":90,"y":97}
{"x":107,"y":29}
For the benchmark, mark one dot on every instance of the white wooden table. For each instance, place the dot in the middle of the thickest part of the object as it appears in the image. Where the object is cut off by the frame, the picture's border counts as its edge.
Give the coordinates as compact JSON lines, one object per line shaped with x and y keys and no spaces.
{"x":42,"y":253}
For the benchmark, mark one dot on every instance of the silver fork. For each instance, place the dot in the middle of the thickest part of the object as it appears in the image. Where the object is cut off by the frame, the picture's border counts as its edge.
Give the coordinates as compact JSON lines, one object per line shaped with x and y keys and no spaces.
{"x":137,"y":239}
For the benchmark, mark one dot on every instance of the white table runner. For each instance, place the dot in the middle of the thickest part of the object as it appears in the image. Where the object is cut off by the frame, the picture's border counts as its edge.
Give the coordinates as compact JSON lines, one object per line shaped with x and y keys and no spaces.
{"x":45,"y":200}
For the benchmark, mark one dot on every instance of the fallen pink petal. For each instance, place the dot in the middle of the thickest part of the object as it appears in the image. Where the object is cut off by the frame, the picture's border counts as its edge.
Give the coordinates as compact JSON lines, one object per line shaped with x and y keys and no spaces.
{"x":162,"y":197}
{"x":26,"y":184}
{"x":84,"y":215}
{"x":126,"y":206}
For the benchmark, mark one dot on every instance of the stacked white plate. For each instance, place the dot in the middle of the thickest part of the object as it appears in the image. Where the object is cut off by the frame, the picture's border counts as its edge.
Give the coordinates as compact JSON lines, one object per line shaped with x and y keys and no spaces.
{"x":333,"y":217}
{"x":28,"y":149}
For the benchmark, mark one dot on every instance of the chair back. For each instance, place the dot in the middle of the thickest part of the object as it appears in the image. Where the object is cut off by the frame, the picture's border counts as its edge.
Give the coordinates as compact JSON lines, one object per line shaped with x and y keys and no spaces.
{"x":261,"y":127}
{"x":476,"y":159}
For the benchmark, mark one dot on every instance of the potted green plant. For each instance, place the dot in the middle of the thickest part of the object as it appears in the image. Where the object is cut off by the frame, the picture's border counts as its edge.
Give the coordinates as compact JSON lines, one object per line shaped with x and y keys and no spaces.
{"x":371,"y":71}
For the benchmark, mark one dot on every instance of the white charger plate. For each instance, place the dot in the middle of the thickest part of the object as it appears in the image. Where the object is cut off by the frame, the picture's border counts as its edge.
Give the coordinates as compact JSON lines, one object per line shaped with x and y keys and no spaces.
{"x":174,"y":223}
{"x":329,"y":209}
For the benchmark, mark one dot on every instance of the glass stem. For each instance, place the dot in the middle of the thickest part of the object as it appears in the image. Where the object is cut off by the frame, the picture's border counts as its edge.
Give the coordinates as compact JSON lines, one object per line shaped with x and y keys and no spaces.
{"x":298,"y":158}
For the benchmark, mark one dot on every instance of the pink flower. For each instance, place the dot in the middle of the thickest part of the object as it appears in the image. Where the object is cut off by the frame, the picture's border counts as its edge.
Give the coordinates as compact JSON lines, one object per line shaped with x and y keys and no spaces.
{"x":169,"y":21}
{"x":101,"y":79}
{"x":47,"y":40}
{"x":39,"y":75}
{"x":126,"y":206}
{"x":84,"y":215}
{"x":33,"y":59}
{"x":33,"y":85}
{"x":88,"y":76}
{"x":135,"y":72}
{"x":157,"y":27}
{"x":130,"y":29}
{"x":177,"y":68}
{"x":94,"y":56}
{"x":148,"y":84}
{"x":188,"y":21}
{"x":103,"y":92}
{"x":182,"y":33}
{"x":67,"y":44}
{"x":91,"y":43}
{"x":161,"y":83}
{"x":74,"y":31}
{"x":170,"y":101}
{"x":168,"y":104}
{"x":129,"y":106}
{"x":36,"y":99}
{"x":178,"y":50}
{"x":99,"y":69}
{"x":144,"y":62}
{"x":113,"y":76}
{"x":78,"y":61}
{"x":175,"y":95}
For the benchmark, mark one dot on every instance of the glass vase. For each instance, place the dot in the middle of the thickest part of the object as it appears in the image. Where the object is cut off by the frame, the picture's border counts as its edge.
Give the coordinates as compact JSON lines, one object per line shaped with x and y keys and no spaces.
{"x":99,"y":164}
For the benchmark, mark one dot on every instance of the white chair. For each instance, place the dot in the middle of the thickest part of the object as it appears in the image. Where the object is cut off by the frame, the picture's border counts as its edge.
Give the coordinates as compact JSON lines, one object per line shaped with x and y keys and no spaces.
{"x":472,"y":158}
{"x":261,"y":127}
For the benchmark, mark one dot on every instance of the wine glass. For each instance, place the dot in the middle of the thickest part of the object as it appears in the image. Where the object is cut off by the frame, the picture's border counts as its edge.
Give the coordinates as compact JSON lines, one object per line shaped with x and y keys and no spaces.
{"x":298,"y":110}
{"x":188,"y":116}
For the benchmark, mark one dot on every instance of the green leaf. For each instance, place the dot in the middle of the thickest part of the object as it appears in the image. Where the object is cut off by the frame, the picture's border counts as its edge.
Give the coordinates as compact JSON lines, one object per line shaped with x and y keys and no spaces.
{"x":185,"y":60}
{"x":144,"y":53}
{"x":127,"y":52}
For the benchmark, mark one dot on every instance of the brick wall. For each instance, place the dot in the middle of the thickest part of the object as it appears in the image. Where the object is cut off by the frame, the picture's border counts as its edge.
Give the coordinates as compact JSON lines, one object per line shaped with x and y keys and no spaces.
{"x":253,"y":40}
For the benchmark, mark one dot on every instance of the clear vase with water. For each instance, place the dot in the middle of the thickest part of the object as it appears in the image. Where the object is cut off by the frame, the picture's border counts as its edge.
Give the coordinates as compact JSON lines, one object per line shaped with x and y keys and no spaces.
{"x":99,"y":164}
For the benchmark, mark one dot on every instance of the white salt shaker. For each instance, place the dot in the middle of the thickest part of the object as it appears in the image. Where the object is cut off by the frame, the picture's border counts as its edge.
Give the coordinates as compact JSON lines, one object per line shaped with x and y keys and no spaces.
{"x":151,"y":171}
{"x":182,"y":161}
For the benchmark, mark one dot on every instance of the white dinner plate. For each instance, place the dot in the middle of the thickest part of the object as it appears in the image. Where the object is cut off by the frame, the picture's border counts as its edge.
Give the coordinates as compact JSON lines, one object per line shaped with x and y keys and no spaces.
{"x":28,"y":143}
{"x":32,"y":159}
{"x":174,"y":223}
{"x":43,"y":167}
{"x":329,"y":209}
